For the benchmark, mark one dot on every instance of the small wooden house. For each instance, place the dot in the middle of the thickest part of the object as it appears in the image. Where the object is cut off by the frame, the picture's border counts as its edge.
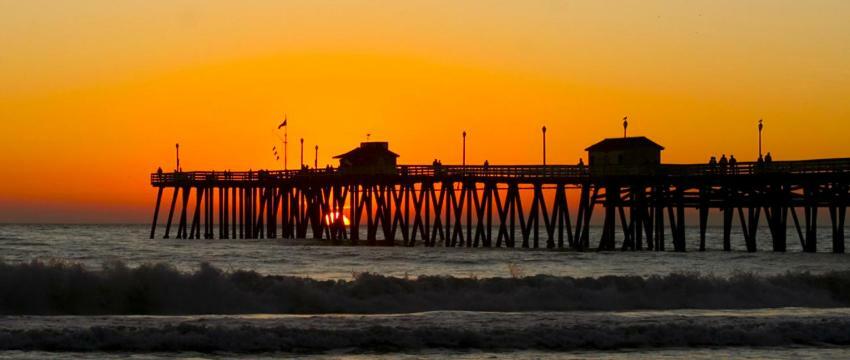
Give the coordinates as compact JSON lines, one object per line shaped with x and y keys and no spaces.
{"x":624,"y":156}
{"x":371,"y":158}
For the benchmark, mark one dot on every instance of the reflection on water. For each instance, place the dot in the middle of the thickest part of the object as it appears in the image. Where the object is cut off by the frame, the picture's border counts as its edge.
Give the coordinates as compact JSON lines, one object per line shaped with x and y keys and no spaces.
{"x":93,"y":245}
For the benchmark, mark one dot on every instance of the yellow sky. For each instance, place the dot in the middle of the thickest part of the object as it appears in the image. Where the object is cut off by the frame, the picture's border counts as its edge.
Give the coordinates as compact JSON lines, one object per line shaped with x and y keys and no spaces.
{"x":94,"y":94}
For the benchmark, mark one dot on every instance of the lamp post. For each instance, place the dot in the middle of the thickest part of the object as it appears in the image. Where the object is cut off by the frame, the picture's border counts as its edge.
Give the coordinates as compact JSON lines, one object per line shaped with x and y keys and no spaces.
{"x":302,"y":153}
{"x":625,"y":125}
{"x":285,"y":143}
{"x":316,"y":159}
{"x":464,"y":150}
{"x":544,"y":145}
{"x":177,"y":146}
{"x":761,"y":126}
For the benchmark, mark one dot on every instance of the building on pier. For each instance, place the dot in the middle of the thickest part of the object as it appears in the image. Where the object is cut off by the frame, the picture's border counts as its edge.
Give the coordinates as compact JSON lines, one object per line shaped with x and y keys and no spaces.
{"x":624,"y":156}
{"x":368,"y":159}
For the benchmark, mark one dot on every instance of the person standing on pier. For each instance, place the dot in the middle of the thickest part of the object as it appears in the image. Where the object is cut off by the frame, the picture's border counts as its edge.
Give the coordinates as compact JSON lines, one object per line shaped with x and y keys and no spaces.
{"x":733,"y":163}
{"x":712,"y":165}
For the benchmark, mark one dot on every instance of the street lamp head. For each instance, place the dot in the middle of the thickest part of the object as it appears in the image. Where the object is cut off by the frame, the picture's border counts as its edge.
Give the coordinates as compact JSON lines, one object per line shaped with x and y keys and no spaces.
{"x":302,"y":140}
{"x":464,"y":134}
{"x":544,"y":128}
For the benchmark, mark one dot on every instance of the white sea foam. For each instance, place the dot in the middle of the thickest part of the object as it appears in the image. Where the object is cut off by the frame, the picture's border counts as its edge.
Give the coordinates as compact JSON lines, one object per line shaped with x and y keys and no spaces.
{"x":448,"y":330}
{"x":61,"y":288}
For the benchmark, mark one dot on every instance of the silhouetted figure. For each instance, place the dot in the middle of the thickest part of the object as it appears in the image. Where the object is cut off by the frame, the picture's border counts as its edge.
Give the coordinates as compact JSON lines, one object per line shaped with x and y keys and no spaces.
{"x":712,"y":164}
{"x":723,"y":163}
{"x":580,"y":165}
{"x":733,"y":163}
{"x":760,"y":160}
{"x":436,"y":166}
{"x":486,"y":165}
{"x":767,"y":158}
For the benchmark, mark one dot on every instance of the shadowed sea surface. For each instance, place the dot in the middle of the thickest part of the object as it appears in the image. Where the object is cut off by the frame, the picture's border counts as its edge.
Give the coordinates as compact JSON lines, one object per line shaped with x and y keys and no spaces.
{"x":416,"y":303}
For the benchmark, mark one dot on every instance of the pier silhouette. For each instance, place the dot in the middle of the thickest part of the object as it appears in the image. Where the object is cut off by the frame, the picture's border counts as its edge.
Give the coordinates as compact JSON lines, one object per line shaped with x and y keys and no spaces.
{"x":481,"y":206}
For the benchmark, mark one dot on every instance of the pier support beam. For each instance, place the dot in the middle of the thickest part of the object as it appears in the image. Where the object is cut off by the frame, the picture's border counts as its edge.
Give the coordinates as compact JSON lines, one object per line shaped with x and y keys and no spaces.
{"x":837,"y":215}
{"x":156,"y":211}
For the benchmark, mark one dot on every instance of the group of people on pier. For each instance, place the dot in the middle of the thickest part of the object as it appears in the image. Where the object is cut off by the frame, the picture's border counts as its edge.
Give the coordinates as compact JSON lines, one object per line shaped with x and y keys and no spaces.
{"x":724,"y":165}
{"x":730,"y":165}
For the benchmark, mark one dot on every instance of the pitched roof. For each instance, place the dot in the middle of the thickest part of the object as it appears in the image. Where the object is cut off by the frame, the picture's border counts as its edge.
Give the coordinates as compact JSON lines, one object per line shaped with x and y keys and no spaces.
{"x":623,"y":143}
{"x":367,"y":150}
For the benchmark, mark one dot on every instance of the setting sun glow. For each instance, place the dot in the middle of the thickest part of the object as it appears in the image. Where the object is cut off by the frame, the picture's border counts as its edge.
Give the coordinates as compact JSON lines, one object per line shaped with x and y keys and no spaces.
{"x":330,"y":220}
{"x":88,"y":114}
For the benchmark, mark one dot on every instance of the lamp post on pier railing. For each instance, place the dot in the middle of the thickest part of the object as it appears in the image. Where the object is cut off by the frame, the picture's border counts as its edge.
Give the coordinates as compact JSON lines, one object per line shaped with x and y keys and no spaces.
{"x":285,"y":143}
{"x":761,"y":126}
{"x":316,"y":159}
{"x":177,"y":146}
{"x":544,"y":145}
{"x":463,"y":160}
{"x":302,"y":153}
{"x":625,"y":126}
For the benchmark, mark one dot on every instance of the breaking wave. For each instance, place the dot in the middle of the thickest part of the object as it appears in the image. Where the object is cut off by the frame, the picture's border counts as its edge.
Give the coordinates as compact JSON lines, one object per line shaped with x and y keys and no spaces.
{"x":54,"y":288}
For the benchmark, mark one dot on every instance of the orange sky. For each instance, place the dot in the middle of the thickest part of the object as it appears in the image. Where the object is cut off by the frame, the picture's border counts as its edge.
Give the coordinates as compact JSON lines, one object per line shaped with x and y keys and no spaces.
{"x":94,"y":94}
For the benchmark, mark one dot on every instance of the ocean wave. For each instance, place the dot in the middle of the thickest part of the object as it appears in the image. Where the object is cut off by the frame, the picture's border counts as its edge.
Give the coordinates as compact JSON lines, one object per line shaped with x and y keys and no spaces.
{"x":486,"y":331}
{"x":51,"y":288}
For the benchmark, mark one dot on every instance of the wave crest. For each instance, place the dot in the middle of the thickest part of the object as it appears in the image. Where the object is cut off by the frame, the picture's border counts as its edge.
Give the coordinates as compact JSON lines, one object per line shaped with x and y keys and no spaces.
{"x":53,"y":288}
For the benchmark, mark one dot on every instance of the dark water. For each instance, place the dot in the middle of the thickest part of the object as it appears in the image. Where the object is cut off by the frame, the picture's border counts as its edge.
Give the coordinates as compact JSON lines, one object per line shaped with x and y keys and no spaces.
{"x":122,"y":295}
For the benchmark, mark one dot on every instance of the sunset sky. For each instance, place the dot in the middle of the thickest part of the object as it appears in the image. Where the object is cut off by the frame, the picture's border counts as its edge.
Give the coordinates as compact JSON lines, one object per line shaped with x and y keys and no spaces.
{"x":94,"y":94}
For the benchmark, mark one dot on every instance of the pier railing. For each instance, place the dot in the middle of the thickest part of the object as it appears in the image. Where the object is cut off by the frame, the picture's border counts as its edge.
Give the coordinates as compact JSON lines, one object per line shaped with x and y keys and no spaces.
{"x":521,"y":172}
{"x":818,"y":166}
{"x":496,"y":171}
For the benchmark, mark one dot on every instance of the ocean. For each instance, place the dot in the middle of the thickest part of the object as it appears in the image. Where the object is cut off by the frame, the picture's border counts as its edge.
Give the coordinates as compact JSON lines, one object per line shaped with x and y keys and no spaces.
{"x":107,"y":291}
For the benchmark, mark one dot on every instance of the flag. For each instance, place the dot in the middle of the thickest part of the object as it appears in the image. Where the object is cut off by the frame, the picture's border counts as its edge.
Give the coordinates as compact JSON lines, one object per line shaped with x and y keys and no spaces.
{"x":274,"y":147}
{"x":283,"y":123}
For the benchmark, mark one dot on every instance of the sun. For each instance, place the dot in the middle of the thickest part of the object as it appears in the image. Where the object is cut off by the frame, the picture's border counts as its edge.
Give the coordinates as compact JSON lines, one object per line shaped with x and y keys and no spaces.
{"x":332,"y":217}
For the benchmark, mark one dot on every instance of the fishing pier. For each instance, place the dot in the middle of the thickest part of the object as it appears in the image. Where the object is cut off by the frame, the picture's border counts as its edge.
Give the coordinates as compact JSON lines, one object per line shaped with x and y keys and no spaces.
{"x":642,"y":202}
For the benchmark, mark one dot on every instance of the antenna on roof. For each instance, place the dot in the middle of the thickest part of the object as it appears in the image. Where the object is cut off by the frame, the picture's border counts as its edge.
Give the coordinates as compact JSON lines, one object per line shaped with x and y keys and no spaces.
{"x":367,"y":136}
{"x":625,"y":125}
